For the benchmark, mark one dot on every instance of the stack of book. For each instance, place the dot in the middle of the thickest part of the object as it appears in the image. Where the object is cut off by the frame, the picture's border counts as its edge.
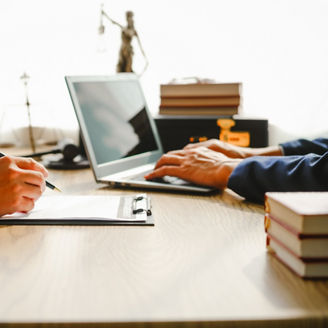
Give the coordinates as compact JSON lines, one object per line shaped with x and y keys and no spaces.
{"x":296,"y":224}
{"x":200,"y":99}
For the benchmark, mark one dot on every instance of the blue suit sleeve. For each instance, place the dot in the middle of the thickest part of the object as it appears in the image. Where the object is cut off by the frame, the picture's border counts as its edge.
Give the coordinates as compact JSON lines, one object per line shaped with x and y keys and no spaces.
{"x":303,"y":146}
{"x":256,"y":175}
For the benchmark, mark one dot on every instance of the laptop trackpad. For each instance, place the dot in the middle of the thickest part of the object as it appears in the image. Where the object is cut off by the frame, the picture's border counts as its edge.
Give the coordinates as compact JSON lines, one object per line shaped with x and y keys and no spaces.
{"x":166,"y":179}
{"x":172,"y":180}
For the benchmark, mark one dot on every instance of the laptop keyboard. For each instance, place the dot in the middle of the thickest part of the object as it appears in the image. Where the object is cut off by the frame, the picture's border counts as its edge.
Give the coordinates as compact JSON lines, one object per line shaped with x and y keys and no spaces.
{"x":138,"y":176}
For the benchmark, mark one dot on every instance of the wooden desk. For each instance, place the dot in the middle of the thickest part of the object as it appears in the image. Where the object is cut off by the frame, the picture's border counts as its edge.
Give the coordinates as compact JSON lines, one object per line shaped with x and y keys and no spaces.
{"x":203,"y":264}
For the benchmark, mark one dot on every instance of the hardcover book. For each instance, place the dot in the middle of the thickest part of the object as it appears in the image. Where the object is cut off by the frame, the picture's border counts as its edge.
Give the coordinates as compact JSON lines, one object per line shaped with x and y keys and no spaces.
{"x":199,"y":110}
{"x":302,"y":245}
{"x":200,"y":90}
{"x":305,"y":212}
{"x":200,"y":101}
{"x":307,"y":268}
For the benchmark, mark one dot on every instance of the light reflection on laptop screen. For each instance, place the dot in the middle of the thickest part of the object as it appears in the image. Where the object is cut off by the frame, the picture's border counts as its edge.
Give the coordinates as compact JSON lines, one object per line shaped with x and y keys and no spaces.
{"x":116,"y":119}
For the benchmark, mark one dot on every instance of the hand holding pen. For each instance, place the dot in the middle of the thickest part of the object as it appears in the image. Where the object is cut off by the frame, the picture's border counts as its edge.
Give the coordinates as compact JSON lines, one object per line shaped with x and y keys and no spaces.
{"x":22,"y":182}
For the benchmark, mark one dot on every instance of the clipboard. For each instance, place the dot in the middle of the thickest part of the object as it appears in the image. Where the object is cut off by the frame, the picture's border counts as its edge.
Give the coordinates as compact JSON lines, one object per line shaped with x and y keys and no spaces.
{"x":86,"y":210}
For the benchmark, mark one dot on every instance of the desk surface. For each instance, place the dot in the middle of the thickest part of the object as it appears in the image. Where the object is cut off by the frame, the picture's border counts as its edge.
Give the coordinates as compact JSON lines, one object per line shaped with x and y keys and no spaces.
{"x":204,"y":262}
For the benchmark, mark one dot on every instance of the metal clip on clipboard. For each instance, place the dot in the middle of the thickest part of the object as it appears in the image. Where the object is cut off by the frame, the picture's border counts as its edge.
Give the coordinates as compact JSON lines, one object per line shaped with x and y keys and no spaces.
{"x":137,"y":209}
{"x":141,"y":205}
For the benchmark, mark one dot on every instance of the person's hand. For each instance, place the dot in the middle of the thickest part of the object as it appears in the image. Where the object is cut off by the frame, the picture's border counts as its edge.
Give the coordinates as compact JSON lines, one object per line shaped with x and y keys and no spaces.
{"x":199,"y":165}
{"x":22,"y":181}
{"x":234,"y":151}
{"x":225,"y":148}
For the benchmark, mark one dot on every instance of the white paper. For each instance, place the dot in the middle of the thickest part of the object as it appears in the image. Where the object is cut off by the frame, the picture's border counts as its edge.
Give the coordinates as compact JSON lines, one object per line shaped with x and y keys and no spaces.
{"x":90,"y":208}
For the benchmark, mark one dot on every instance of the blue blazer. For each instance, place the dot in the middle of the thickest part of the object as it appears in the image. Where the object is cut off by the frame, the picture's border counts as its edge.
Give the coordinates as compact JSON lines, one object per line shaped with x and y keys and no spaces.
{"x":303,"y":168}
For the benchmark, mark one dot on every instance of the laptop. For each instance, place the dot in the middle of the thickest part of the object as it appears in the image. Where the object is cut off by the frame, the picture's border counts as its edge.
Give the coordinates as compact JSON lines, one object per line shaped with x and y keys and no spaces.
{"x":118,"y":132}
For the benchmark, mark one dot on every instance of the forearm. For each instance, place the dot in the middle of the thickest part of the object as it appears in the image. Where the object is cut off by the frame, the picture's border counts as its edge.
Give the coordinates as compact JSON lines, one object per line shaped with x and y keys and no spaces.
{"x":296,"y":147}
{"x":303,"y":146}
{"x":257,"y":175}
{"x":111,"y":20}
{"x":265,"y":151}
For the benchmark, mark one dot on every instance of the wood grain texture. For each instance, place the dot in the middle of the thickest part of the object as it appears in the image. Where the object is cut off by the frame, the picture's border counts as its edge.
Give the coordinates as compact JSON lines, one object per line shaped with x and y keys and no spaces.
{"x":204,"y":263}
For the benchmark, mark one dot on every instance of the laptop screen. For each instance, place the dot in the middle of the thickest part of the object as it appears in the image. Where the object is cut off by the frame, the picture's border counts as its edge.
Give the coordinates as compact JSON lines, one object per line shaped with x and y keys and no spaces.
{"x":115,"y":116}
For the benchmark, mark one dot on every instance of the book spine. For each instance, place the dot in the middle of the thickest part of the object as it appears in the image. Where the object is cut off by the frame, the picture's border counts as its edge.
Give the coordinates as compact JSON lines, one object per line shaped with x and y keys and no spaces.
{"x":273,"y":252}
{"x":200,"y":102}
{"x":267,"y":222}
{"x":284,"y":214}
{"x":195,"y":97}
{"x":199,"y":111}
{"x":267,"y":208}
{"x":198,"y":89}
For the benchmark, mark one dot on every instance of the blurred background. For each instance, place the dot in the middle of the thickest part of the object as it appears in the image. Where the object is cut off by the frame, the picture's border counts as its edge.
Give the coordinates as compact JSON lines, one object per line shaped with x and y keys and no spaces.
{"x":277,"y":49}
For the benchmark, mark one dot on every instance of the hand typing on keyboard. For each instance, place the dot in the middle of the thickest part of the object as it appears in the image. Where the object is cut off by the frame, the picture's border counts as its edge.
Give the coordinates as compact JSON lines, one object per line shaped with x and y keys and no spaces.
{"x":200,"y":165}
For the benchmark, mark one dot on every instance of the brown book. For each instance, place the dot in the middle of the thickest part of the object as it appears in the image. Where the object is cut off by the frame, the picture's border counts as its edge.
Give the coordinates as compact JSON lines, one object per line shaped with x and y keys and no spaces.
{"x":200,"y":101}
{"x":200,"y":90}
{"x":307,"y":268}
{"x":302,"y":245}
{"x":228,"y":111}
{"x":305,"y":212}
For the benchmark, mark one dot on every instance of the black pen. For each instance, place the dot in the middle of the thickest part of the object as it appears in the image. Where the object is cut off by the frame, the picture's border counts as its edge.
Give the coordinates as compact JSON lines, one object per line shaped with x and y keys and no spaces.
{"x":48,"y":184}
{"x":51,"y":186}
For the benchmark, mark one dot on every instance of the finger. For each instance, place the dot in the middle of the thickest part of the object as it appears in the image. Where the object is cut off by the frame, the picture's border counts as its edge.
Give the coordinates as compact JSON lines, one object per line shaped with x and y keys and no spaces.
{"x":202,"y":152}
{"x":169,"y":159}
{"x":193,"y":145}
{"x":30,"y":164}
{"x":185,"y":152}
{"x":176,"y":152}
{"x":174,"y":171}
{"x":25,"y":205}
{"x":32,"y":177}
{"x":31,"y":191}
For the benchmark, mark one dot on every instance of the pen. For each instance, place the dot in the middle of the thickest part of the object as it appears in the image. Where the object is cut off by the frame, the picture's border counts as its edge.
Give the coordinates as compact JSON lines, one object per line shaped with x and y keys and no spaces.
{"x":51,"y":186}
{"x":48,"y":184}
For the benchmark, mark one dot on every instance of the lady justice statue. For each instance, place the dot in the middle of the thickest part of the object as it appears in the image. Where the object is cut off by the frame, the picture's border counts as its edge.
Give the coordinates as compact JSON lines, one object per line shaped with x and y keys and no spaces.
{"x":128,"y":32}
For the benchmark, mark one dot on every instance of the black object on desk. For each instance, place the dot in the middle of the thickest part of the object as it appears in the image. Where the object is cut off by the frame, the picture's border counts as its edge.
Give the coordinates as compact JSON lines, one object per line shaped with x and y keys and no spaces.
{"x":176,"y":131}
{"x":71,"y":156}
